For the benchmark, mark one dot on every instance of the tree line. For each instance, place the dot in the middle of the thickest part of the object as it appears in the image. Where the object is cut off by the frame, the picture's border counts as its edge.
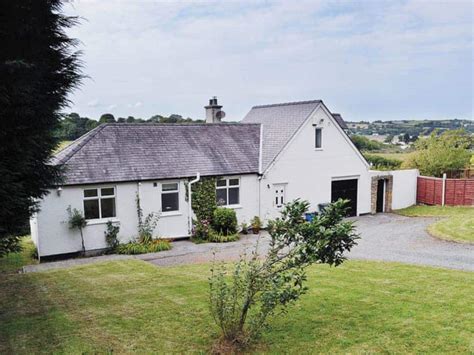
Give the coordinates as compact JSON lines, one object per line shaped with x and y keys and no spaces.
{"x":72,"y":125}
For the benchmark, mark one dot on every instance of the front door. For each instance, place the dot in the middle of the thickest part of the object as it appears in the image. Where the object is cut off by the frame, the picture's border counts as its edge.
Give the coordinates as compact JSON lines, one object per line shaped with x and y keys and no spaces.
{"x":347,"y":190}
{"x":380,"y":195}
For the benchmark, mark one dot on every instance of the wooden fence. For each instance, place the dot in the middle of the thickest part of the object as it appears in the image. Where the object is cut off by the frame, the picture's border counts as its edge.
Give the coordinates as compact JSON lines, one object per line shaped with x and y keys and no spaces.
{"x":451,"y":192}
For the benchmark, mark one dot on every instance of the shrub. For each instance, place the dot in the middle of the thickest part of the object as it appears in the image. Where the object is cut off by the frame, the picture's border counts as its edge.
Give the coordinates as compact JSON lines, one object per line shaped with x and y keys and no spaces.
{"x":224,"y":221}
{"x":145,"y":226}
{"x":133,"y":248}
{"x":111,"y":233}
{"x":244,"y":228}
{"x":216,"y":237}
{"x":381,"y":163}
{"x":260,"y":288}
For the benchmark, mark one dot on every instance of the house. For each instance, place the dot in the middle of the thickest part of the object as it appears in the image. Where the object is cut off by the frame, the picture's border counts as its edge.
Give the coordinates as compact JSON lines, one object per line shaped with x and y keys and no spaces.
{"x":275,"y":154}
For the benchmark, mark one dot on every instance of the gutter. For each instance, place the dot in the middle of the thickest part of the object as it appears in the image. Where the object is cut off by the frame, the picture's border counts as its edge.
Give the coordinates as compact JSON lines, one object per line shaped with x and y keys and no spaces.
{"x":190,"y":209}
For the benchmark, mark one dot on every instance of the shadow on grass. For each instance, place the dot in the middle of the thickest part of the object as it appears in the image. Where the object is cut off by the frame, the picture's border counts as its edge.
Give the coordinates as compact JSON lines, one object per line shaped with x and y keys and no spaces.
{"x":29,"y":320}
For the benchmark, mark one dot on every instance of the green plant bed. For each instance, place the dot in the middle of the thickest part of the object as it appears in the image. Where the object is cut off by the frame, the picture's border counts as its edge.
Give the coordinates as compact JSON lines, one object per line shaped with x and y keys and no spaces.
{"x":134,"y":248}
{"x":457,"y":224}
{"x":215,"y":237}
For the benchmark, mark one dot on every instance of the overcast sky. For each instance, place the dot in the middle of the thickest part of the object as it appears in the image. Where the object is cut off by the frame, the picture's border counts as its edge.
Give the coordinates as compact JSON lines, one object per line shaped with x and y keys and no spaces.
{"x":367,"y":60}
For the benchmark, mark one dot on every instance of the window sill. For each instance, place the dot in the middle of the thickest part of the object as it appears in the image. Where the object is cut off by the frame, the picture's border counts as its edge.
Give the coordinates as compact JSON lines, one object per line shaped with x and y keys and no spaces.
{"x":91,"y":222}
{"x":170,"y":214}
{"x":234,"y":207}
{"x":318,"y":149}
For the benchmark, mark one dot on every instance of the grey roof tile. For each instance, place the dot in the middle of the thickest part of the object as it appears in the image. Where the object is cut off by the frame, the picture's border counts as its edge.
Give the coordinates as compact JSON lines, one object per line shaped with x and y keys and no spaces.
{"x":132,"y":152}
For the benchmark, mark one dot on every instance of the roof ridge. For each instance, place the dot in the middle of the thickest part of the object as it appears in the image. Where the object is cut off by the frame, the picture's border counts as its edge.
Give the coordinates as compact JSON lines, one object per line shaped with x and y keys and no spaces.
{"x":178,"y":124}
{"x":83,"y":141}
{"x":289,"y":103}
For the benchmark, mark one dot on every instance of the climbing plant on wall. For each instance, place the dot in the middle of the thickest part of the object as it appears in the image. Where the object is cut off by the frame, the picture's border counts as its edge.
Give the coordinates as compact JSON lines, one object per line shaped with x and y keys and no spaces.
{"x":204,"y":198}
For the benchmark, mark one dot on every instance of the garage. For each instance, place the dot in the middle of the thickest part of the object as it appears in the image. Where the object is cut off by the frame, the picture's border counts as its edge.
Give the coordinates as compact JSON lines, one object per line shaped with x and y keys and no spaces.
{"x":345,"y":189}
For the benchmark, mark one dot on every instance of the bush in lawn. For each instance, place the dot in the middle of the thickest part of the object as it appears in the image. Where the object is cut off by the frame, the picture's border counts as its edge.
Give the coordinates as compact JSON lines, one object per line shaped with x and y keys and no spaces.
{"x":224,"y":221}
{"x":216,"y":237}
{"x":260,"y":288}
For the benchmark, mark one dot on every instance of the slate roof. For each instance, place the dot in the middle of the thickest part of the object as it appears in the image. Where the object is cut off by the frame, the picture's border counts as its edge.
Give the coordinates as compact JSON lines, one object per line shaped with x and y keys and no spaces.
{"x":130,"y":152}
{"x":340,"y":120}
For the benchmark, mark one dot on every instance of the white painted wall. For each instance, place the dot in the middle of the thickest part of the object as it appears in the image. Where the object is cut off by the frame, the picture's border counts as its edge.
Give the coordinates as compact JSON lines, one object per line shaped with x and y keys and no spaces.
{"x":404,"y":188}
{"x":308,"y":172}
{"x":51,"y":233}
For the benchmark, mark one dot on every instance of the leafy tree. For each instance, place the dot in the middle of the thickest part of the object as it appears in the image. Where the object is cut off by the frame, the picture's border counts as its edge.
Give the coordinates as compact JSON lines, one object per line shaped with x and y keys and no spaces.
{"x":364,"y":143}
{"x":121,"y":120}
{"x":449,"y":151}
{"x":38,"y":69}
{"x":389,"y":138}
{"x":130,"y":119}
{"x":77,"y":221}
{"x":243,"y":299}
{"x":107,"y":118}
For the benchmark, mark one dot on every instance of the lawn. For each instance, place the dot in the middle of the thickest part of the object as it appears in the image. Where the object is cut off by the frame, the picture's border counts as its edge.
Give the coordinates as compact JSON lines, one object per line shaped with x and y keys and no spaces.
{"x":457,"y":224}
{"x":12,"y":263}
{"x":133,"y":306}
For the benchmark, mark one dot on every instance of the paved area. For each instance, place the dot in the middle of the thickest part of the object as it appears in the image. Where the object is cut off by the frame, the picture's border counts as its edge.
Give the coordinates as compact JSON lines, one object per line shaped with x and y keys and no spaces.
{"x":390,"y":237}
{"x":385,"y":237}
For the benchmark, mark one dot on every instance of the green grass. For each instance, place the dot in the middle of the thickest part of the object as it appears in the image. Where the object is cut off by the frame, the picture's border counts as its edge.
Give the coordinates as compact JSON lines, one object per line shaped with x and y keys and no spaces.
{"x":133,"y":306}
{"x":12,"y":263}
{"x":458,"y":224}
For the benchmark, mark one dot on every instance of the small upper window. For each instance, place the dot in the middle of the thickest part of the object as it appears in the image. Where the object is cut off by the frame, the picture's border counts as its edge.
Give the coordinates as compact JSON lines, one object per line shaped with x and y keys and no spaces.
{"x":318,"y":142}
{"x":99,"y":203}
{"x":228,"y":192}
{"x":170,"y":197}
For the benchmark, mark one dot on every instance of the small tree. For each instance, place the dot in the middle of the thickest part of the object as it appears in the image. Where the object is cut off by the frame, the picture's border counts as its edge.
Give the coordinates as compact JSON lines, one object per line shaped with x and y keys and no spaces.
{"x":449,"y":151}
{"x":77,"y":220}
{"x":259,"y":288}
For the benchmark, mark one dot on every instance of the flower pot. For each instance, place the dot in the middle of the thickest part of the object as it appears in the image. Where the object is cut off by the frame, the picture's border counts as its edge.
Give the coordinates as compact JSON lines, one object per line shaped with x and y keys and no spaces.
{"x":255,"y":230}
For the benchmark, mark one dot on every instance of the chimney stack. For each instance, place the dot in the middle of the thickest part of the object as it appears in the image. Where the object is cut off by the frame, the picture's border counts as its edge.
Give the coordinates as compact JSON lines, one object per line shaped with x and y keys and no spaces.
{"x":214,"y":114}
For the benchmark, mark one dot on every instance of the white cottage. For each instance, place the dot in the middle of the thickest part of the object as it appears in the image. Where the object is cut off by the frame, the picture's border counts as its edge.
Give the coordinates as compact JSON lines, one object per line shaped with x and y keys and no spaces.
{"x":277,"y":153}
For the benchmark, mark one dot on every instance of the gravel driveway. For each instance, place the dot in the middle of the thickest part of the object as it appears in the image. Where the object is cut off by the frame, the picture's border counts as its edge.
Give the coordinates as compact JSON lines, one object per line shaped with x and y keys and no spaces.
{"x":387,"y":237}
{"x":391,"y":237}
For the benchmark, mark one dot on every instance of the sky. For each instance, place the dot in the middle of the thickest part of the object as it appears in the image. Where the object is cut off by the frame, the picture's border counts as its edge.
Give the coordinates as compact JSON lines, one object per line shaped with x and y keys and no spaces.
{"x":368,"y":60}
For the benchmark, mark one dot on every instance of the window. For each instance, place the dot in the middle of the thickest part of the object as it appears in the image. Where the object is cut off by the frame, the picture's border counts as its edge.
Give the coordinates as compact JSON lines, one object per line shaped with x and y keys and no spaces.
{"x":99,"y":203}
{"x":170,"y":197}
{"x":227,"y":192}
{"x":318,"y":143}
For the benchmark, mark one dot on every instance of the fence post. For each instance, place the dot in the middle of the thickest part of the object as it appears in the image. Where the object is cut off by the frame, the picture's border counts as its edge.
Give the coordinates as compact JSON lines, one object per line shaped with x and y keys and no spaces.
{"x":443,"y":196}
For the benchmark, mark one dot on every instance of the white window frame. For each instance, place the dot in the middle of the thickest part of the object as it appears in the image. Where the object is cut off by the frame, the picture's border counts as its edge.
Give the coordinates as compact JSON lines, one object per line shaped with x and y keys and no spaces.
{"x":227,"y":187}
{"x":315,"y":134}
{"x":99,"y":198}
{"x":173,"y":212}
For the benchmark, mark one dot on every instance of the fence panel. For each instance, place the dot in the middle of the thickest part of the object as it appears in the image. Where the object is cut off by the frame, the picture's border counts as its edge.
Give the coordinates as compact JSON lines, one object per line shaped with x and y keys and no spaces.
{"x":458,"y":192}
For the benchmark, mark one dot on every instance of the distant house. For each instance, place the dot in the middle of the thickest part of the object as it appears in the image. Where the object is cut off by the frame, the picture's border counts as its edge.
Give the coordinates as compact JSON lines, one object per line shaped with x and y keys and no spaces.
{"x":277,"y":153}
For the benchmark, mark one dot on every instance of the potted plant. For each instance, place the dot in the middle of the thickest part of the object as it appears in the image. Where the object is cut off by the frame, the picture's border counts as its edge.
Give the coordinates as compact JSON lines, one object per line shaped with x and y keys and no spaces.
{"x":244,"y":228}
{"x":256,"y":224}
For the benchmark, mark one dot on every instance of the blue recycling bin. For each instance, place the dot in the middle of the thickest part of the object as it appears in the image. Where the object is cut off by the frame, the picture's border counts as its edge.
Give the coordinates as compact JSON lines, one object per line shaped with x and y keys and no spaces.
{"x":309,"y":216}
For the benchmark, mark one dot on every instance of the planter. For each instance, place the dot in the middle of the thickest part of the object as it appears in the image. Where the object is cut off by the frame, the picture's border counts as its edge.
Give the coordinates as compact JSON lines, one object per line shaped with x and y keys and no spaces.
{"x":255,"y":230}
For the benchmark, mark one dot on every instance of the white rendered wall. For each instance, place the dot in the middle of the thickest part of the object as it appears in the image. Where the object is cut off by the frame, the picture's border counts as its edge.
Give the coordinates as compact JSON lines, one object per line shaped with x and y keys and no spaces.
{"x":51,"y":233}
{"x":404,"y":188}
{"x":308,"y":172}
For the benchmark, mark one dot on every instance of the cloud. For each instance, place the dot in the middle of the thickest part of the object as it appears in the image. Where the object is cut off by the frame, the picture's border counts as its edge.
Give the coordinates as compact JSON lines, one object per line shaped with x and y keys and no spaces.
{"x":369,"y":60}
